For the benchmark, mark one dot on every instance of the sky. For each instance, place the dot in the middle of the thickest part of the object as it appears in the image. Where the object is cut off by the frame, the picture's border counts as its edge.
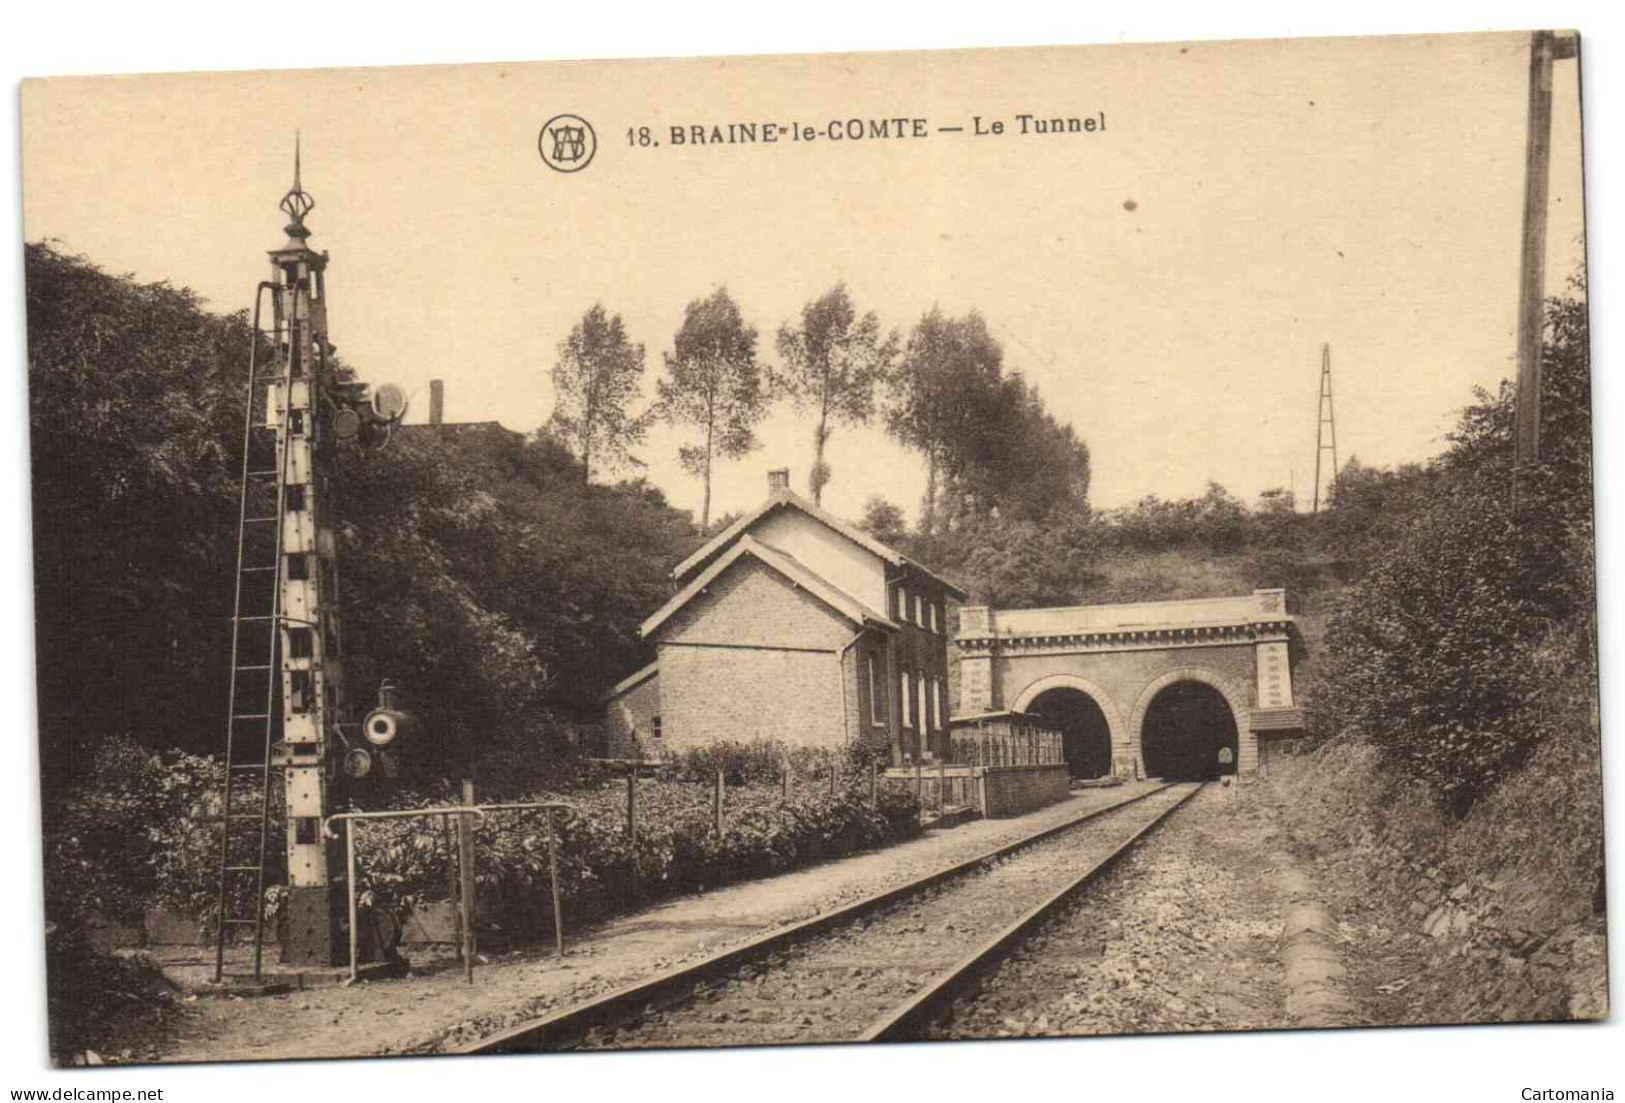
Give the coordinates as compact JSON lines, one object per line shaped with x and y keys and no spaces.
{"x":1166,"y":283}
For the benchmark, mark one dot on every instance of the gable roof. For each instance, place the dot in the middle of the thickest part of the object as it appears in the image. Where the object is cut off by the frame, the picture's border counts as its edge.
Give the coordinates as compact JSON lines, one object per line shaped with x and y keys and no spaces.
{"x":789,"y":499}
{"x":784,"y":564}
{"x":631,"y":681}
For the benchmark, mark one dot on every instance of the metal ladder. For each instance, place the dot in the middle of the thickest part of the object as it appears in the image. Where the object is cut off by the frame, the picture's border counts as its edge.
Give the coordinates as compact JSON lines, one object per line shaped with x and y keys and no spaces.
{"x":254,"y":702}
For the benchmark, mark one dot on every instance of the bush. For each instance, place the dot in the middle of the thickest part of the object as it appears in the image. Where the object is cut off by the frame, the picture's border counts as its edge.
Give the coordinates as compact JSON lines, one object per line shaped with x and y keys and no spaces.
{"x":139,"y":833}
{"x":763,"y":761}
{"x":88,"y":992}
{"x":1539,"y":833}
{"x":1545,"y":823}
{"x":600,"y":872}
{"x":757,"y":762}
{"x":133,"y":836}
{"x":1444,"y":655}
{"x":143,"y":833}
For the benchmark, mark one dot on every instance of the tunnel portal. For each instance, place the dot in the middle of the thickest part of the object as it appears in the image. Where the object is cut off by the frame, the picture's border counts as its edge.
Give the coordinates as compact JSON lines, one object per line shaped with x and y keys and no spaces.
{"x":1186,"y":727}
{"x":1086,"y":736}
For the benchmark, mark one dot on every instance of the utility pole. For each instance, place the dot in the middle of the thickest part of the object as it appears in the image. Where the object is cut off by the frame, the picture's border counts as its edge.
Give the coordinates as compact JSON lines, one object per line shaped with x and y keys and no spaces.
{"x":1325,"y":423}
{"x":1544,"y":48}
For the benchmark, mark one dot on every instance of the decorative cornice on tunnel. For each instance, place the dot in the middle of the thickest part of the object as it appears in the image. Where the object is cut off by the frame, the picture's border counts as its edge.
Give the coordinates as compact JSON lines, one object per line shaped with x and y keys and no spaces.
{"x":1202,"y":635}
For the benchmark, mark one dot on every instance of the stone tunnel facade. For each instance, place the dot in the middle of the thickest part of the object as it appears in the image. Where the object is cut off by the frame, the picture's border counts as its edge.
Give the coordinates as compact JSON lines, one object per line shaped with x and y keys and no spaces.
{"x":1123,"y":656}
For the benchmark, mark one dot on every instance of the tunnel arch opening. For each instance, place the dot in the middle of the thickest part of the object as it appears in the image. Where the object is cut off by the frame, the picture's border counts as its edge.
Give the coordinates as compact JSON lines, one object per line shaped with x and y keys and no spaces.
{"x":1186,"y":726}
{"x":1086,"y":734}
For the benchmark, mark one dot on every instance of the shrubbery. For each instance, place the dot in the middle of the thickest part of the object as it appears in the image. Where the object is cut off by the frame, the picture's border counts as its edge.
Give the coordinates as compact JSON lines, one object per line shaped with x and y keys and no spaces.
{"x":137,"y":834}
{"x":600,"y":872}
{"x":1539,"y":832}
{"x":763,"y":761}
{"x":89,"y":991}
{"x":133,"y":835}
{"x":1445,"y":654}
{"x":480,"y":572}
{"x":143,"y":834}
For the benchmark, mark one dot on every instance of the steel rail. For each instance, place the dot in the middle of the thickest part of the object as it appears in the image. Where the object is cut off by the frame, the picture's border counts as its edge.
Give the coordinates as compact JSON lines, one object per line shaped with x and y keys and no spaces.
{"x":556,"y":1028}
{"x":903,"y":1023}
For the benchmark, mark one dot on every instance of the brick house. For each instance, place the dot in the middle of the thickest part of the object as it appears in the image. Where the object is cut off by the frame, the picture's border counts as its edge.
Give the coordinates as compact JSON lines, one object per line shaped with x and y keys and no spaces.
{"x":793,"y":625}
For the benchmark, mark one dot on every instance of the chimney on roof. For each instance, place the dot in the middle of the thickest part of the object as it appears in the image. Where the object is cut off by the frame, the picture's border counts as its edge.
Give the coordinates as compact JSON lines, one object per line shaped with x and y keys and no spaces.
{"x":437,"y":401}
{"x":778,"y":480}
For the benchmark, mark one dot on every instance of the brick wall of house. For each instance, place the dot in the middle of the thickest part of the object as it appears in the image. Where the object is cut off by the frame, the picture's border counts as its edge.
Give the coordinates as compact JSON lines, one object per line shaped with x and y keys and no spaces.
{"x":752,"y":605}
{"x":878,"y":704}
{"x":630,"y":719}
{"x":849,"y":567}
{"x":749,"y":693}
{"x":755,"y":657}
{"x":920,"y":650}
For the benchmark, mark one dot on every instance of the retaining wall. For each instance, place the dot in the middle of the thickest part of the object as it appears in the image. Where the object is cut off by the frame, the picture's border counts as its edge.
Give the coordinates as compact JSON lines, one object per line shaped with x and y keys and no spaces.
{"x":993,"y":791}
{"x":1013,"y":790}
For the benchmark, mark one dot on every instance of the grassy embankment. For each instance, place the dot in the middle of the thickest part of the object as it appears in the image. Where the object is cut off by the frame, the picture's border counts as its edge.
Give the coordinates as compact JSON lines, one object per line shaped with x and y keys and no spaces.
{"x":1494,"y":917}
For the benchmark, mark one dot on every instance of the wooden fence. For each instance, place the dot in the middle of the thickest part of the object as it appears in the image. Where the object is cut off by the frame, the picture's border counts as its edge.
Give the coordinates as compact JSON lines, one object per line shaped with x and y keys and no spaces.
{"x":1021,"y":746}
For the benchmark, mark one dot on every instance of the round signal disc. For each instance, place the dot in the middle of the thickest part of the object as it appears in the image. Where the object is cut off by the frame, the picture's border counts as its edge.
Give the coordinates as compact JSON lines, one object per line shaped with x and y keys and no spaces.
{"x":346,"y":424}
{"x":389,"y":402}
{"x":358,"y":762}
{"x":381,"y":728}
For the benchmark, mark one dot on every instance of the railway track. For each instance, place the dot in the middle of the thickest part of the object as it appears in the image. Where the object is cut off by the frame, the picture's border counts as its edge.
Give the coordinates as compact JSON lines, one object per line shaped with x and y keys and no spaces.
{"x":875,"y":970}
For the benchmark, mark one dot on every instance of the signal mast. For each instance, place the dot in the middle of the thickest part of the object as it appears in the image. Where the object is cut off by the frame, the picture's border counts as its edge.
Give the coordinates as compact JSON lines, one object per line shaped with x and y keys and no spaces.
{"x":287,"y":703}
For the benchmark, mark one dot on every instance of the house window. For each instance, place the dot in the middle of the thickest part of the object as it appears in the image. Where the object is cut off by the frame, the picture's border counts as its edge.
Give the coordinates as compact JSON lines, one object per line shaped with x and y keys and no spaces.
{"x":936,"y":706}
{"x":654,"y":727}
{"x":923,"y":714}
{"x":908,"y":700}
{"x":875,"y":717}
{"x":902,"y":604}
{"x":936,"y":625}
{"x":919,"y":611}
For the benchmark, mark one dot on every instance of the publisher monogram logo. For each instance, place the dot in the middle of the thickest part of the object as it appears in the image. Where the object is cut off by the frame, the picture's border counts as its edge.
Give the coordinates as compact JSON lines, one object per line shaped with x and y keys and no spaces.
{"x":567,"y":143}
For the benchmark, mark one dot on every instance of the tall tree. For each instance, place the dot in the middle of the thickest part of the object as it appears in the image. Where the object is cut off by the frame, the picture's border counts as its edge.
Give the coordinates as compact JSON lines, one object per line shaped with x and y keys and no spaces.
{"x":596,"y":379}
{"x":476,"y":570}
{"x":715,"y":384}
{"x":941,"y":395}
{"x":832,"y":364}
{"x":1017,"y":459}
{"x":135,"y":411}
{"x":884,"y":521}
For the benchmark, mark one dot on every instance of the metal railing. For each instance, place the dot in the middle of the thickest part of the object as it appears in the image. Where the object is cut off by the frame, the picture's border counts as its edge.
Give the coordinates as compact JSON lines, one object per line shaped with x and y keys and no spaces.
{"x":465,"y":863}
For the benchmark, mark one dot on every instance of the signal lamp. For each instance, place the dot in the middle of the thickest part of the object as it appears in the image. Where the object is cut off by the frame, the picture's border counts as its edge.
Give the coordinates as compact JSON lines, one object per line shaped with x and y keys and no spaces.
{"x":346,"y":424}
{"x":382,"y":726}
{"x":389,"y":402}
{"x":358,"y":762}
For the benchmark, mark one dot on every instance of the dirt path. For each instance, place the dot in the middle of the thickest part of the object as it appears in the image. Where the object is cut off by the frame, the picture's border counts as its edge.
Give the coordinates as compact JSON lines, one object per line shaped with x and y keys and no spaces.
{"x":434,"y":1009}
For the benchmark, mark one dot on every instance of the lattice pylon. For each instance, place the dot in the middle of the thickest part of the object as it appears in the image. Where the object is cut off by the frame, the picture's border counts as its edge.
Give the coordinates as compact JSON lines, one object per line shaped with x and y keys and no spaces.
{"x":1325,"y":424}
